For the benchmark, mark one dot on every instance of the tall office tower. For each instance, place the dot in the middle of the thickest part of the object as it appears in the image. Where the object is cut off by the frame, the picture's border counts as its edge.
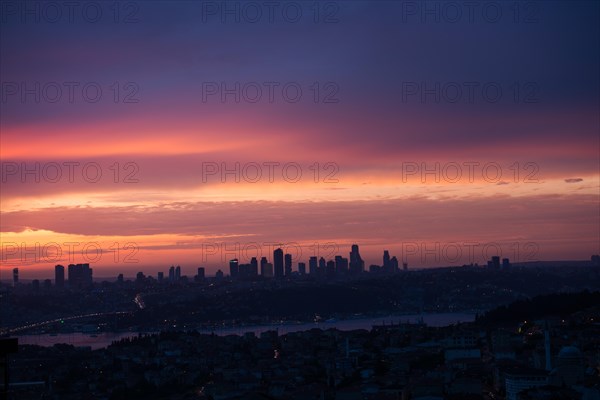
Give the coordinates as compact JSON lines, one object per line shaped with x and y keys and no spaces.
{"x":219,"y":275}
{"x":59,"y":276}
{"x":244,"y":270}
{"x":278,"y":263}
{"x":341,"y":265}
{"x":263,"y":263}
{"x":139,"y":278}
{"x":357,"y":265}
{"x":234,"y":268}
{"x":302,"y":268}
{"x":386,"y":261}
{"x":496,"y":262}
{"x":322,"y":265}
{"x":330,"y":269}
{"x":172,"y":274}
{"x":288,"y":264}
{"x":120,"y":278}
{"x":405,"y":266}
{"x":505,"y":263}
{"x":313,"y":266}
{"x":394,"y":264}
{"x":160,"y":277}
{"x":253,"y":266}
{"x":15,"y":276}
{"x":201,"y":274}
{"x":177,"y":273}
{"x":79,"y":275}
{"x":268,"y":272}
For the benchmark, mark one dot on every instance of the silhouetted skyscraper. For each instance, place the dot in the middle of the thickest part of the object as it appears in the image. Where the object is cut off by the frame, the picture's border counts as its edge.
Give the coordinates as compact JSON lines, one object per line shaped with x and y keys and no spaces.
{"x":172,"y":274}
{"x":394,"y":264}
{"x":59,"y":276}
{"x":200,"y":275}
{"x":288,"y":264}
{"x":268,"y":271}
{"x":330,"y":269}
{"x":405,"y":266}
{"x":322,"y":264}
{"x":160,"y":277}
{"x":496,"y":262}
{"x":357,"y":265}
{"x":313,"y":265}
{"x":386,"y":261}
{"x":263,"y":263}
{"x":341,"y":265}
{"x":302,"y":268}
{"x":177,"y":273}
{"x":234,"y":268}
{"x":505,"y":263}
{"x":253,"y":266}
{"x":278,"y":263}
{"x":79,"y":275}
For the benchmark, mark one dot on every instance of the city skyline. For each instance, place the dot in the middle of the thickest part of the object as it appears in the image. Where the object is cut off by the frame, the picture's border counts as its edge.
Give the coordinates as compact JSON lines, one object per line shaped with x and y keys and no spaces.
{"x":336,"y":266}
{"x":381,"y":148}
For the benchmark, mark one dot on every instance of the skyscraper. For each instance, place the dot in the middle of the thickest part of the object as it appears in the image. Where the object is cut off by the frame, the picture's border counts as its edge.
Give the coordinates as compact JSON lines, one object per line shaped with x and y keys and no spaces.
{"x":160,"y":277}
{"x":172,"y":274}
{"x":330,"y":269}
{"x":341,"y":265}
{"x":278,"y":263}
{"x":268,"y":271}
{"x":357,"y":265}
{"x":394,"y":264}
{"x":59,"y":276}
{"x":288,"y":264}
{"x":386,"y":261}
{"x":177,"y":273}
{"x":234,"y":268}
{"x":200,"y":275}
{"x":496,"y":262}
{"x":263,"y":263}
{"x":313,"y":266}
{"x":302,"y":268}
{"x":253,"y":266}
{"x":79,"y":275}
{"x":322,"y":264}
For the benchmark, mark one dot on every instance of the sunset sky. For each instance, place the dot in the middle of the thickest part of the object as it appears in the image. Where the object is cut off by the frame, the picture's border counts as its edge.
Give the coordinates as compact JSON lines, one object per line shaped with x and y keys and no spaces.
{"x":528,"y":158}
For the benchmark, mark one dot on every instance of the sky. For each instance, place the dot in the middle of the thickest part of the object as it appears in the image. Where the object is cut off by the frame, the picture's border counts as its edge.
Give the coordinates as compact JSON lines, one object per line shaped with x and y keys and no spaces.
{"x":140,"y":135}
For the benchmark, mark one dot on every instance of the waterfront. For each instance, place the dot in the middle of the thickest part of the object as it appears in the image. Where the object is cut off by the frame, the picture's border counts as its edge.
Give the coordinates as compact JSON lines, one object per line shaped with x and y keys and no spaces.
{"x":104,"y":339}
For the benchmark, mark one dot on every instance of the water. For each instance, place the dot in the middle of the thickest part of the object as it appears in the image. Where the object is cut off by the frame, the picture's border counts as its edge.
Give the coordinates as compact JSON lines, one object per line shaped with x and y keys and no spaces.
{"x":101,"y":340}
